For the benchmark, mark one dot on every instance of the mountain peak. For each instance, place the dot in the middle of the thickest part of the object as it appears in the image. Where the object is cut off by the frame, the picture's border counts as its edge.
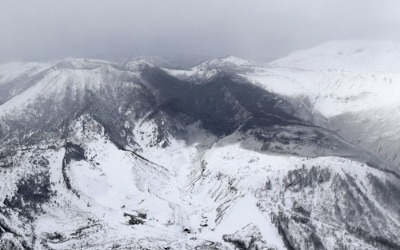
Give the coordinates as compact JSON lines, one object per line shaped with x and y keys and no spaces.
{"x":224,"y":63}
{"x":372,"y":56}
{"x":234,"y":60}
{"x":137,"y":64}
{"x":149,"y":60}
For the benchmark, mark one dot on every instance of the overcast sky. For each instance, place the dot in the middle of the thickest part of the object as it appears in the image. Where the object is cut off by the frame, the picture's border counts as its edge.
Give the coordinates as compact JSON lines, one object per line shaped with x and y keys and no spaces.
{"x":256,"y":29}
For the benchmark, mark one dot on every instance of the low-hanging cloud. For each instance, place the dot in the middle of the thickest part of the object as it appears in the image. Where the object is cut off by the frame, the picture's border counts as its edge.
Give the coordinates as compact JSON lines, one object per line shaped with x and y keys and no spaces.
{"x":116,"y":29}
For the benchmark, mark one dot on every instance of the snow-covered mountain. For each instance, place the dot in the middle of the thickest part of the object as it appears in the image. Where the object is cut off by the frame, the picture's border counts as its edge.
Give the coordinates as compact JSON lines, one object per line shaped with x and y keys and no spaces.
{"x":350,"y":87}
{"x":207,"y":69}
{"x":227,"y":155}
{"x":355,"y":85}
{"x":359,"y":56}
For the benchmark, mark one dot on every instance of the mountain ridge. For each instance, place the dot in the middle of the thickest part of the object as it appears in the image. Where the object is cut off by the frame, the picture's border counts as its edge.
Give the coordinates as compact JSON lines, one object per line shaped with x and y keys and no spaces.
{"x":108,"y":155}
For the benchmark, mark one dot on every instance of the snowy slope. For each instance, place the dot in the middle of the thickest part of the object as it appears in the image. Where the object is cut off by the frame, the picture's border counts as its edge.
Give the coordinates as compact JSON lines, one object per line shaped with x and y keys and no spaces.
{"x":68,"y":78}
{"x":355,"y":85}
{"x":16,"y":77}
{"x":13,"y":70}
{"x":208,"y":69}
{"x":98,"y":155}
{"x":197,"y":196}
{"x":359,"y":56}
{"x":337,"y":77}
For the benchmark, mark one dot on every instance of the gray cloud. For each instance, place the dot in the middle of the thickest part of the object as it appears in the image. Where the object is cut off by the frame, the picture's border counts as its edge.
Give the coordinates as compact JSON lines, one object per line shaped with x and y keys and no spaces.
{"x":257,"y":29}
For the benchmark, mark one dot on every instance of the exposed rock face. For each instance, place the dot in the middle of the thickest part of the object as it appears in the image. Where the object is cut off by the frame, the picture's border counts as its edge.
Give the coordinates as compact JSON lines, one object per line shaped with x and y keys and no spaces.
{"x":8,"y":242}
{"x":347,"y":207}
{"x":248,"y":237}
{"x":104,"y":156}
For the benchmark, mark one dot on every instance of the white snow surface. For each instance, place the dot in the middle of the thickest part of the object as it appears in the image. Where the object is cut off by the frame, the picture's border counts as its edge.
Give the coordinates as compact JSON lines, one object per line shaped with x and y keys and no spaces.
{"x":212,"y":193}
{"x":360,"y":56}
{"x":12,"y":70}
{"x":208,"y":69}
{"x":337,"y":77}
{"x":211,"y":188}
{"x":67,"y":78}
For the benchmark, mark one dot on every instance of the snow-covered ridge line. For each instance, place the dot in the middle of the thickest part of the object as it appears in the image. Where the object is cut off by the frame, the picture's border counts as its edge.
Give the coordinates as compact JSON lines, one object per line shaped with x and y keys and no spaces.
{"x":360,"y":56}
{"x":107,"y":156}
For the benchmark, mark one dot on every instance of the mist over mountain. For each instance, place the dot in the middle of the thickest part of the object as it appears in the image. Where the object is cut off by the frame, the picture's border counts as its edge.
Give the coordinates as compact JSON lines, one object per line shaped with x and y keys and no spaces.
{"x":261,"y":30}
